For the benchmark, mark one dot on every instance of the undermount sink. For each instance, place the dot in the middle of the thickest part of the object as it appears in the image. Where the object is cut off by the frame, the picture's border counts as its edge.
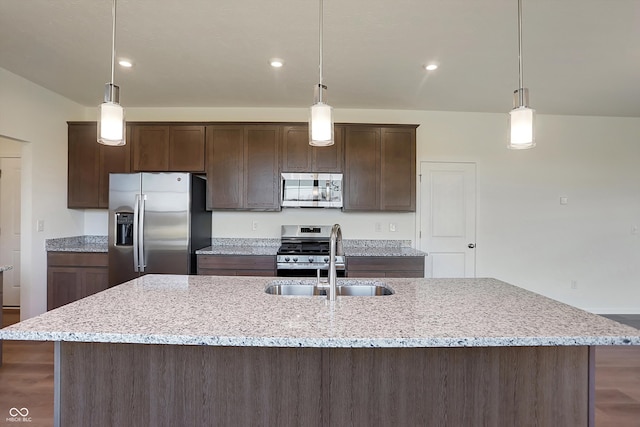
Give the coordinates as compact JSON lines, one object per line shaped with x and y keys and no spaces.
{"x":344,"y":288}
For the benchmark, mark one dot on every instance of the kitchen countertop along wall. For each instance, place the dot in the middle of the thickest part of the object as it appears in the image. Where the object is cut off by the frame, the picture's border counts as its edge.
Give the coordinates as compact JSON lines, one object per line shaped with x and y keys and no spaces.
{"x":77,"y":244}
{"x":245,"y":246}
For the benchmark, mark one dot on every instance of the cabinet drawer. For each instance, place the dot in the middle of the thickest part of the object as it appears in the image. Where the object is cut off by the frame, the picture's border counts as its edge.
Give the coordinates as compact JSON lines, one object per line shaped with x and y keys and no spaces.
{"x":236,"y":262}
{"x":77,"y":259}
{"x":383,"y":263}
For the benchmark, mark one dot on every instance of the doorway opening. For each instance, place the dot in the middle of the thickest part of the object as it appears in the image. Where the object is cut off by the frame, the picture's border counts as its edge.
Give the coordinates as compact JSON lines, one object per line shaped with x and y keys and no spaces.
{"x":10,"y":220}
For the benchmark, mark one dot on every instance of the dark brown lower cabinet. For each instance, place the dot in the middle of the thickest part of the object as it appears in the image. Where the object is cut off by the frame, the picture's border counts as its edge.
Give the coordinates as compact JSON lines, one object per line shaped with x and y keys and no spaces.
{"x":385,"y":266}
{"x":107,"y":384}
{"x":74,"y":275}
{"x":236,"y":265}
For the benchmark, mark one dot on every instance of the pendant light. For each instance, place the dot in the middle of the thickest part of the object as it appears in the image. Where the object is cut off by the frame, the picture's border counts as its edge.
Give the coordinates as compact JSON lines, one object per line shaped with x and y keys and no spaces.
{"x":321,"y":114}
{"x":111,"y":125}
{"x":522,"y":117}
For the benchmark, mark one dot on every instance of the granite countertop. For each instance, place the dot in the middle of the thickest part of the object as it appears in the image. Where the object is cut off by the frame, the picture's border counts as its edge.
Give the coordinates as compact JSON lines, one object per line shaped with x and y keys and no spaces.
{"x":244,"y":246}
{"x":235,"y":311}
{"x":77,"y":244}
{"x":241,"y":246}
{"x":352,"y":247}
{"x":5,"y":268}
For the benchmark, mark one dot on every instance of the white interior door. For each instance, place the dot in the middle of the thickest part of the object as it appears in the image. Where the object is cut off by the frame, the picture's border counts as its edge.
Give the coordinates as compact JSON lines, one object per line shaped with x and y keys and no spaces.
{"x":10,"y":229}
{"x":448,"y":218}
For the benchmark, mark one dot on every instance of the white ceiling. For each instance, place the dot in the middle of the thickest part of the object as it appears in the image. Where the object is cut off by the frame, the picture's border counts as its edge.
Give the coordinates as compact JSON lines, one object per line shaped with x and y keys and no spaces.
{"x":581,"y":57}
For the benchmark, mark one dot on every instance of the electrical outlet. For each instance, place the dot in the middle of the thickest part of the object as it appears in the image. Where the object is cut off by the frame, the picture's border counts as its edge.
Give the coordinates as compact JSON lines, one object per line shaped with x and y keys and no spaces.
{"x":40,"y":225}
{"x":392,"y":226}
{"x":254,"y":225}
{"x":378,"y":227}
{"x":574,"y":284}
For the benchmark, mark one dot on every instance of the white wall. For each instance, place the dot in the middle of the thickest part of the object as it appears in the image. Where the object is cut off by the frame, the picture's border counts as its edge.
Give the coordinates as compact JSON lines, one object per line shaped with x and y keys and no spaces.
{"x":524,"y":235}
{"x":38,"y":117}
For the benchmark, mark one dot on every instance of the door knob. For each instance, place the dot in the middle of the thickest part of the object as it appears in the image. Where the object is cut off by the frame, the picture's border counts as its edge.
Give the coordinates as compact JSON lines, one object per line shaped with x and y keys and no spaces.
{"x":471,"y":245}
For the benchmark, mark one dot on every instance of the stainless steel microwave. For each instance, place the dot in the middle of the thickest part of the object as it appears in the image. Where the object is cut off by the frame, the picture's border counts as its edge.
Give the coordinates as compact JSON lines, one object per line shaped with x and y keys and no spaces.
{"x":311,"y":190}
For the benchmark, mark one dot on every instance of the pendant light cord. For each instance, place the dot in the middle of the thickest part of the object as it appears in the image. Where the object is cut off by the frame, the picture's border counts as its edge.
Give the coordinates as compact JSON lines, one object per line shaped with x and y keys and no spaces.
{"x":520,"y":95}
{"x":113,"y":41}
{"x":321,"y":24}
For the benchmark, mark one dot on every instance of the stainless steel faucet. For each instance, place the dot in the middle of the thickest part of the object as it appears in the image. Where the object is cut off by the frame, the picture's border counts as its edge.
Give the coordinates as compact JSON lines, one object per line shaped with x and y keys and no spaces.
{"x":335,"y":248}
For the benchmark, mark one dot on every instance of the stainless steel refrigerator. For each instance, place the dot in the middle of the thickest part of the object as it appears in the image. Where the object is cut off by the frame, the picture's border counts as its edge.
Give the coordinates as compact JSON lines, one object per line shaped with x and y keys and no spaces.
{"x":156,"y":223}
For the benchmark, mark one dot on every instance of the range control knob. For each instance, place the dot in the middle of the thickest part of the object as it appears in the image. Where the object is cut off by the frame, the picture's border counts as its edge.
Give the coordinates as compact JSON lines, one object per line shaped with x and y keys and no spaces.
{"x":310,"y":259}
{"x":326,"y":259}
{"x":286,"y":259}
{"x":295,"y":259}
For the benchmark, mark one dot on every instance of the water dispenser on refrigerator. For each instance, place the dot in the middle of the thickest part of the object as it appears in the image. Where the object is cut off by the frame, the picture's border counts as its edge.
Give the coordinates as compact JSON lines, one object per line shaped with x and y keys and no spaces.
{"x":124,"y":229}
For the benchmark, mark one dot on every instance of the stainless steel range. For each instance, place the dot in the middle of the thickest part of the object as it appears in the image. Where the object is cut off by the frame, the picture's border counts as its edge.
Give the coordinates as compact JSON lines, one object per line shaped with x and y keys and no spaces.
{"x":304,"y":251}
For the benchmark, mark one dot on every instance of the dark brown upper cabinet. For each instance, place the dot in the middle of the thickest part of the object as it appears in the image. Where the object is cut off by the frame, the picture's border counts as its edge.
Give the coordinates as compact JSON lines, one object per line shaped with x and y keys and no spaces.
{"x":299,"y":156}
{"x":89,"y":165}
{"x":243,"y":167}
{"x":172,"y":148}
{"x":380,"y":168}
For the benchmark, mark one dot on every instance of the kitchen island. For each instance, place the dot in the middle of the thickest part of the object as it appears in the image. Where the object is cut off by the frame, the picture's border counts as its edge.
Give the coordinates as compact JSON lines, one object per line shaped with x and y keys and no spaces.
{"x":215,"y":350}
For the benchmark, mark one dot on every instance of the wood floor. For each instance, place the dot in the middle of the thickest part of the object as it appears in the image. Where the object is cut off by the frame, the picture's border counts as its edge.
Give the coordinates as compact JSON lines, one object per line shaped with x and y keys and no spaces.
{"x":26,"y":380}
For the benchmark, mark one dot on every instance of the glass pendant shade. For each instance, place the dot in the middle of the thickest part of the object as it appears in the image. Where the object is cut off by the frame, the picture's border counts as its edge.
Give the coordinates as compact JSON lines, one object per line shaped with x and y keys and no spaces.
{"x":321,"y":125}
{"x":111,"y":127}
{"x":521,"y":121}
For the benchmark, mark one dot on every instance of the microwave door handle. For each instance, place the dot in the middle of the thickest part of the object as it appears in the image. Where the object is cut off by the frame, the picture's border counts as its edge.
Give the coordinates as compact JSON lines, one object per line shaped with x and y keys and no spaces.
{"x":136,"y":212}
{"x":143,"y":262}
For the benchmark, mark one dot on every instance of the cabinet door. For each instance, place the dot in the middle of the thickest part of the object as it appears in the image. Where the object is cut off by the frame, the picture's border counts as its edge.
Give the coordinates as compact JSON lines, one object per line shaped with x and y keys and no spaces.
{"x":83,"y":179}
{"x":89,"y":165}
{"x":296,"y":151}
{"x":94,"y":280}
{"x":186,"y":148}
{"x":329,"y":159}
{"x":150,"y":145}
{"x":361,"y":167}
{"x":75,"y":275}
{"x":398,"y":169}
{"x":112,"y":159}
{"x":225,"y":167}
{"x":63,"y":284}
{"x":299,"y":156}
{"x":262,"y":167}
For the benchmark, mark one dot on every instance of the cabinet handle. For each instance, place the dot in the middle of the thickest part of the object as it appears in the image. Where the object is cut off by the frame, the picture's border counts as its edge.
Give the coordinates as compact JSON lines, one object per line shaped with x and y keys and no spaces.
{"x":471,"y":245}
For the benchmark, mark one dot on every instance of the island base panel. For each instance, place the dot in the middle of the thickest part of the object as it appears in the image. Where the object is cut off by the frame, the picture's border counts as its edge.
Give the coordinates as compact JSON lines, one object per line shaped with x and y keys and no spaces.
{"x":167,"y":385}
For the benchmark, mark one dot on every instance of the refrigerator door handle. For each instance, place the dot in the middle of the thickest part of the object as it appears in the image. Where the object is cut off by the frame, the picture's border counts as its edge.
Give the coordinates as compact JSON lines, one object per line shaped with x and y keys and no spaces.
{"x":143,"y":263}
{"x":136,"y":227}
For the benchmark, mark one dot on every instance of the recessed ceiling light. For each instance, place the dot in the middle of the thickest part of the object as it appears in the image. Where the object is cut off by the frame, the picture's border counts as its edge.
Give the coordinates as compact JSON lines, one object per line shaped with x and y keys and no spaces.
{"x":431,"y":67}
{"x":276,"y":62}
{"x":125,"y":63}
